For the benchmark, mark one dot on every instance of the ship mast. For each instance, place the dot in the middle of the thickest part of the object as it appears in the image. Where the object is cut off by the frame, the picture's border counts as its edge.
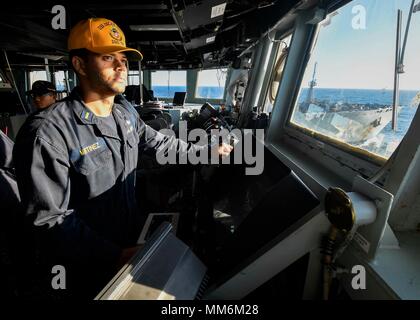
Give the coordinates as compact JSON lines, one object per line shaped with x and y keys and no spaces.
{"x":304,"y":106}
{"x":312,"y":84}
{"x":399,"y":59}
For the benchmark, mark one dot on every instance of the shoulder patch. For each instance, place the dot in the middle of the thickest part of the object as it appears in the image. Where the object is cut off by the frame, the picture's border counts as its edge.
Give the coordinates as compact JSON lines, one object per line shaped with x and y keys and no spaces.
{"x":86,"y":115}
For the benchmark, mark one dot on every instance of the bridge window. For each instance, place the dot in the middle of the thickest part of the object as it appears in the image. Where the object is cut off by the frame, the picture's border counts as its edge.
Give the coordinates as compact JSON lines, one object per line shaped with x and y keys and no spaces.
{"x":346,"y":95}
{"x":211,"y":83}
{"x":133,"y":77}
{"x":166,"y":83}
{"x":37,"y":75}
{"x":60,"y":81}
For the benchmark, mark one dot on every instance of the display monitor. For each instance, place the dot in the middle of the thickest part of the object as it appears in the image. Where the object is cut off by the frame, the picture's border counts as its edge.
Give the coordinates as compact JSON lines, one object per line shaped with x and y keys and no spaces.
{"x":179,"y":98}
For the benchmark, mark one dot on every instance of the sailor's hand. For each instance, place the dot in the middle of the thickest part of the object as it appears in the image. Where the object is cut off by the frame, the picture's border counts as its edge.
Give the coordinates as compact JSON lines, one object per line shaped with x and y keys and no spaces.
{"x":224,"y":150}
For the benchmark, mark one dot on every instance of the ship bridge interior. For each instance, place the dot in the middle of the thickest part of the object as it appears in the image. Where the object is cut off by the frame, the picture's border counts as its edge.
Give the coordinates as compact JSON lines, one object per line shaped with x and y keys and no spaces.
{"x":324,"y":204}
{"x":171,"y":34}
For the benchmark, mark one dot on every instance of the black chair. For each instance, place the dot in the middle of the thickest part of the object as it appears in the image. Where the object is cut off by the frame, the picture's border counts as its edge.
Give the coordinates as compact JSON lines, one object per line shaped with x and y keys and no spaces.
{"x":132,"y":94}
{"x":167,"y":117}
{"x":147,"y":114}
{"x":10,"y":103}
{"x":158,"y":124}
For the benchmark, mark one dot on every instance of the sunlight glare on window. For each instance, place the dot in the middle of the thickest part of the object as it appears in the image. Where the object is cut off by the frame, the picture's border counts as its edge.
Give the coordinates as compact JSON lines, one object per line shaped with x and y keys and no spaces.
{"x":37,"y":75}
{"x":211,"y":83}
{"x":60,"y":80}
{"x":133,"y":78}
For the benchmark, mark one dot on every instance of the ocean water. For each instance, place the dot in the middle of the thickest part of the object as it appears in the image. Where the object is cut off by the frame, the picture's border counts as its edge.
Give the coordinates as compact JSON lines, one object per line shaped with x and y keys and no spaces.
{"x":167,"y":92}
{"x":202,"y":92}
{"x":360,"y":96}
{"x":210,"y":92}
{"x":365,"y":96}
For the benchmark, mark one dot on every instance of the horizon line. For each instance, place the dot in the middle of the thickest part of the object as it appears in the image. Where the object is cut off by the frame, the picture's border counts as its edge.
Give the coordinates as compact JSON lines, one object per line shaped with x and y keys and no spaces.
{"x":381,"y":89}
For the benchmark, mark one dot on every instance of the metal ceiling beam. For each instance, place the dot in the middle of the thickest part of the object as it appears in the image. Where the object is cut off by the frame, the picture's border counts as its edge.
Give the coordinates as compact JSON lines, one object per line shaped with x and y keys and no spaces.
{"x":31,"y":32}
{"x":160,"y":42}
{"x":154,"y":27}
{"x":120,"y":7}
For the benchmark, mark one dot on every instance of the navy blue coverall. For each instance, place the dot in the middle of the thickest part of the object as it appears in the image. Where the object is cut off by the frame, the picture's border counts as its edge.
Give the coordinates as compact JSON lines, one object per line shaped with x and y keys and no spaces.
{"x":77,"y":184}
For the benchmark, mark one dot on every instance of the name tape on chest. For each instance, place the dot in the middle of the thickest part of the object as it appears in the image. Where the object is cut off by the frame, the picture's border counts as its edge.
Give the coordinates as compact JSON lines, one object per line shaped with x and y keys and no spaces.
{"x":90,"y":148}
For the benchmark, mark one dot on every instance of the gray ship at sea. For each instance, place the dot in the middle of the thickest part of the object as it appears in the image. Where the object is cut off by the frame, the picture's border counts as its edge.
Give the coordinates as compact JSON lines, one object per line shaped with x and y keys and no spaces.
{"x":353,"y":123}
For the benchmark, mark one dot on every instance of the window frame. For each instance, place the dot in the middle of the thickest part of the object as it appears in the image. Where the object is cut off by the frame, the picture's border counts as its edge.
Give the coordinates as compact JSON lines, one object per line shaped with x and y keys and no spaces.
{"x":274,"y":55}
{"x":133,"y":74}
{"x":294,"y":128}
{"x":286,"y":134}
{"x":311,"y":137}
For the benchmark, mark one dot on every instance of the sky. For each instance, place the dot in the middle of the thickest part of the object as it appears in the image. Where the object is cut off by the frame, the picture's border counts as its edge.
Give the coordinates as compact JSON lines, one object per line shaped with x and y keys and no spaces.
{"x":364,"y":57}
{"x":206,"y":78}
{"x":176,"y":78}
{"x":211,"y":78}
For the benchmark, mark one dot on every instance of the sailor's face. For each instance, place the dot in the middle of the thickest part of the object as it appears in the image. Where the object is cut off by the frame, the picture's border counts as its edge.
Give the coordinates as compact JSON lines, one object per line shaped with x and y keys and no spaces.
{"x":43,"y":101}
{"x":108,"y":72}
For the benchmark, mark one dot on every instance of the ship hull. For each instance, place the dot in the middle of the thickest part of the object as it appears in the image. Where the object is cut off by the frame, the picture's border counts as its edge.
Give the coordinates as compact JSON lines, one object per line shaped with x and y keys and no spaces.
{"x":354,"y":126}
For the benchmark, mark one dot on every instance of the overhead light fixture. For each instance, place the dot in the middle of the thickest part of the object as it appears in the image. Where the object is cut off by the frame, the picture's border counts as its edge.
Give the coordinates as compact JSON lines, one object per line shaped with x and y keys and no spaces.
{"x":154,"y":27}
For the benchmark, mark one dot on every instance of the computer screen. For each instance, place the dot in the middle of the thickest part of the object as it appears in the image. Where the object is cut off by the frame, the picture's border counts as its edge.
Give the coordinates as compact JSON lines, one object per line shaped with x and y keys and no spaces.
{"x":179,"y":98}
{"x":257,"y":209}
{"x":132,"y":94}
